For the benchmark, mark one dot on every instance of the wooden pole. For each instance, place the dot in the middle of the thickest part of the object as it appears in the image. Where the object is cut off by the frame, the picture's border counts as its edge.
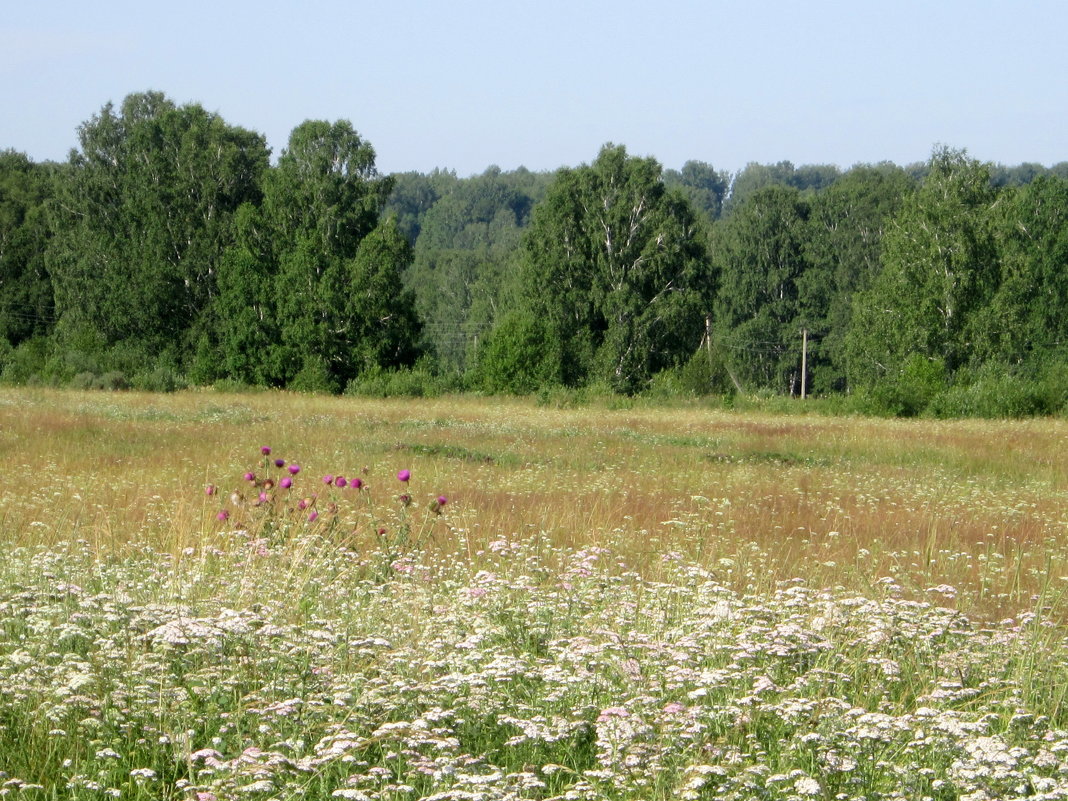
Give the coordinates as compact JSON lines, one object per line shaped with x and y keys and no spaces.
{"x":804,"y":361}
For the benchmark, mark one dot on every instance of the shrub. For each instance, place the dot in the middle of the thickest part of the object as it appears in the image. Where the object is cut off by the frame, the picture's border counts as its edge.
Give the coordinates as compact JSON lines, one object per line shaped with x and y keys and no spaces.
{"x":314,"y":377}
{"x":161,"y":378}
{"x":84,"y":380}
{"x":701,"y":376}
{"x":521,"y":355}
{"x":111,"y":381}
{"x":26,"y":363}
{"x":908,"y":392}
{"x":992,"y":393}
{"x":419,"y":381}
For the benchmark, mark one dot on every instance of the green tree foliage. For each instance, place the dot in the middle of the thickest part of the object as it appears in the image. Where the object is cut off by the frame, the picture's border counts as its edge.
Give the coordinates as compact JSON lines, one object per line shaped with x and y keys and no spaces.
{"x":464,"y":256}
{"x":1025,"y":322}
{"x":940,"y":268}
{"x":521,"y":357}
{"x":808,"y":178}
{"x":26,"y":307}
{"x":843,"y":254}
{"x":374,"y":325}
{"x":144,"y":214}
{"x":167,"y":249}
{"x":325,"y":194}
{"x":759,"y":253}
{"x":320,"y":202}
{"x":413,"y":195}
{"x":615,"y":266}
{"x":703,"y":186}
{"x":1021,"y":174}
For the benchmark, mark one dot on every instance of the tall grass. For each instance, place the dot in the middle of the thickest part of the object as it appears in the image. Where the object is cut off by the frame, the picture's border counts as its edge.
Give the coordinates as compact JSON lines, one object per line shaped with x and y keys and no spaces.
{"x":977,"y":505}
{"x":556,"y":604}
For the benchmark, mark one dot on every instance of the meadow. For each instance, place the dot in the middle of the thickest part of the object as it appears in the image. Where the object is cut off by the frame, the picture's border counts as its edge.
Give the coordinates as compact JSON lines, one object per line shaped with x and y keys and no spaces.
{"x":504,"y":600}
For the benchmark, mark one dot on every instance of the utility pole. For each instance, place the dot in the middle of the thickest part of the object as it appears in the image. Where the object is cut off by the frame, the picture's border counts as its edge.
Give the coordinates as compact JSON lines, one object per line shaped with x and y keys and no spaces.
{"x":804,"y":361}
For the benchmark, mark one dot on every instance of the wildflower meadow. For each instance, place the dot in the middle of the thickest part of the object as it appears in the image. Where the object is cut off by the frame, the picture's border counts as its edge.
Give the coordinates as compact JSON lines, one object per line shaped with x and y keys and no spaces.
{"x":277,"y":596}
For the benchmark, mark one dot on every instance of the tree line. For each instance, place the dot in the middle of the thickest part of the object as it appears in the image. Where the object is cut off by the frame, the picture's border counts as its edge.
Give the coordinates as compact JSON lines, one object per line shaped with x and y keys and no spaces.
{"x":168,"y":251}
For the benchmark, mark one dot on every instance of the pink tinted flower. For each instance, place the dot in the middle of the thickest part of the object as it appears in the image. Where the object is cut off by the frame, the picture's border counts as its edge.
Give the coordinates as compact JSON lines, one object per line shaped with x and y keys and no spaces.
{"x":357,"y":482}
{"x":404,"y":475}
{"x":209,"y":490}
{"x":328,"y":479}
{"x":264,"y":497}
{"x":250,"y":476}
{"x":286,"y":483}
{"x":612,"y":712}
{"x":442,"y":500}
{"x":341,"y":482}
{"x":265,"y":450}
{"x":293,"y":469}
{"x":313,"y":516}
{"x":223,"y":515}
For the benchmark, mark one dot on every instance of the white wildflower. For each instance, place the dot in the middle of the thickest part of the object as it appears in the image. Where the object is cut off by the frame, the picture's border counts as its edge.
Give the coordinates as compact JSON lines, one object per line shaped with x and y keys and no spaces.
{"x":261,"y":786}
{"x":806,"y":785}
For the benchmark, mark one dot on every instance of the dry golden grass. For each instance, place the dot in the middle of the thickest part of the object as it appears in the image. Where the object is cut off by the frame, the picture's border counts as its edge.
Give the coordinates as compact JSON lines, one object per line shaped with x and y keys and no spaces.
{"x":868,"y":504}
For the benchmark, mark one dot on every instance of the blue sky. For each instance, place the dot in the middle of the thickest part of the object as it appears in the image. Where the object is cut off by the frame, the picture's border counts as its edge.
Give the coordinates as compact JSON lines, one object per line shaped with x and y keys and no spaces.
{"x":469,"y":83}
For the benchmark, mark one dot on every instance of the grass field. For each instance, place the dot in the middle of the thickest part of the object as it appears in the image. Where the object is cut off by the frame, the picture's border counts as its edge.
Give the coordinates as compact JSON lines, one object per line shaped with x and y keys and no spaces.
{"x":579,"y":603}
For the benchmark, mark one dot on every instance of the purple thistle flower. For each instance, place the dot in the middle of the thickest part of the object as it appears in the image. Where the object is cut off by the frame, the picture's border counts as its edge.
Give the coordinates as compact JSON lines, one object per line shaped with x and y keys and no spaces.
{"x":223,"y":515}
{"x":294,"y":469}
{"x":341,"y":482}
{"x":404,"y":475}
{"x":328,"y":479}
{"x":209,"y":490}
{"x":279,"y":462}
{"x":250,"y":476}
{"x":442,"y":500}
{"x":357,"y":482}
{"x":312,"y":516}
{"x":286,"y":483}
{"x":265,"y":450}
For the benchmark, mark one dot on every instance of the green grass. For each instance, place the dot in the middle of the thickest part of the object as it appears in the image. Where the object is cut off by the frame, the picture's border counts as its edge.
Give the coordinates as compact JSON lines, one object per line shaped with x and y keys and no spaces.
{"x":614,"y":603}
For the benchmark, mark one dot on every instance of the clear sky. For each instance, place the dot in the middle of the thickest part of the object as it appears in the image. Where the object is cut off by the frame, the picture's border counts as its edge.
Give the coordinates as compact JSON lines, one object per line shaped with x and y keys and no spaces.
{"x":463,"y":84}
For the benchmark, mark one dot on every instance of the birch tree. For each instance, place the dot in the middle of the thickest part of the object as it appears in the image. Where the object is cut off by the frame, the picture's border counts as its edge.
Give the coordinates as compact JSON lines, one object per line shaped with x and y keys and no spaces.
{"x":616,"y":266}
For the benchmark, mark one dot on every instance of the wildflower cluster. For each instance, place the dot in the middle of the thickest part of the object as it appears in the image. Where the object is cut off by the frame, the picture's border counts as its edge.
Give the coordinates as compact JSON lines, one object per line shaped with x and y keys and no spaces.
{"x":212,"y":676}
{"x":272,"y":503}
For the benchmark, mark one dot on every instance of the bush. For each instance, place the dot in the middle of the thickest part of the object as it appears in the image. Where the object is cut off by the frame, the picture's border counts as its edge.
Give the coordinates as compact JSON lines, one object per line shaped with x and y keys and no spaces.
{"x":111,"y":381}
{"x":26,"y":363}
{"x":992,"y":393}
{"x":84,"y":380}
{"x":419,"y":381}
{"x":699,"y":377}
{"x":1051,"y":385}
{"x":162,"y":378}
{"x":520,"y":356}
{"x":314,"y":377}
{"x":908,"y":392}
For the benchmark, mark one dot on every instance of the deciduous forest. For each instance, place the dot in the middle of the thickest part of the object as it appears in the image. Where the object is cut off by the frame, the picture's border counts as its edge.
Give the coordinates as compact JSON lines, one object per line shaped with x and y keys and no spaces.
{"x":169,"y":250}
